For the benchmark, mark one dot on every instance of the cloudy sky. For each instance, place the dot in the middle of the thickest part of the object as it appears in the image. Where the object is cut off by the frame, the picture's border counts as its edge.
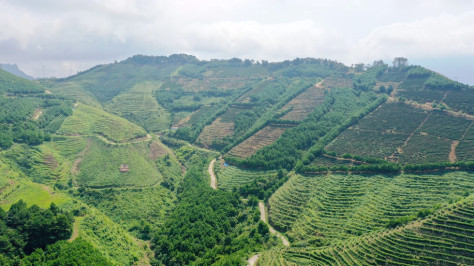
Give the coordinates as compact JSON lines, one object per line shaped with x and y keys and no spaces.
{"x":65,"y":36}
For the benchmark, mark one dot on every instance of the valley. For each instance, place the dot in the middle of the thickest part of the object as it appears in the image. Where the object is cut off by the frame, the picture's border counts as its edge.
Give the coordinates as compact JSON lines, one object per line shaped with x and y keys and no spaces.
{"x":172,"y":160}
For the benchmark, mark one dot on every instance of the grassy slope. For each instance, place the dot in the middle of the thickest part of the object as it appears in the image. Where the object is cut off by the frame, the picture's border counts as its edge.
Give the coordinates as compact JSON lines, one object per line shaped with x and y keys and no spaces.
{"x":88,"y":120}
{"x":100,"y":166}
{"x":139,"y":106}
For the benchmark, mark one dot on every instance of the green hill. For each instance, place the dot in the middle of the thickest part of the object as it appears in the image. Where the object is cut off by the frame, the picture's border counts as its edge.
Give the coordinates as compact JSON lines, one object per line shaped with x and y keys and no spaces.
{"x":88,"y":120}
{"x":352,"y":165}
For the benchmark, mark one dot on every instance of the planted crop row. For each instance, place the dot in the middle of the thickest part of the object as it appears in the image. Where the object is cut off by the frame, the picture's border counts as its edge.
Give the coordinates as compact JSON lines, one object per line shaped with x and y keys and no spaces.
{"x":445,"y":238}
{"x":304,"y":103}
{"x":425,"y":149}
{"x":101,"y":166}
{"x":286,"y":204}
{"x":393,"y":117}
{"x":229,"y":177}
{"x":262,"y":138}
{"x":69,"y":147}
{"x":421,"y":96}
{"x":88,"y":120}
{"x":461,"y":100}
{"x":343,"y":206}
{"x":441,"y":124}
{"x":367,"y":143}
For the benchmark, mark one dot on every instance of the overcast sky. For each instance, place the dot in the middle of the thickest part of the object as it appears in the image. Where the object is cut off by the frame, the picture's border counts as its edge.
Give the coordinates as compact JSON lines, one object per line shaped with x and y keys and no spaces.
{"x":66,"y":36}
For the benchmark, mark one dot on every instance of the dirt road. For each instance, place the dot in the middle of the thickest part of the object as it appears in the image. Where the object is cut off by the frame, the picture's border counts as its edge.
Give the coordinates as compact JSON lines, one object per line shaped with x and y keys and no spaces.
{"x":253,"y":260}
{"x":211,"y":173}
{"x":263,"y":217}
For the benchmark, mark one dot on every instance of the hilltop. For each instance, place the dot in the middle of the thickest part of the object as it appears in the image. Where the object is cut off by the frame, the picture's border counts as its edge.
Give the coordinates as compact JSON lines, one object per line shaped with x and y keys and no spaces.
{"x":310,"y":161}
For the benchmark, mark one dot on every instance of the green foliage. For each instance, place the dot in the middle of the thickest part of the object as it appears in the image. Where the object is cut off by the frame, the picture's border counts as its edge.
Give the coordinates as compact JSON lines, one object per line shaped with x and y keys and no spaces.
{"x":438,"y":82}
{"x":22,"y":229}
{"x":418,"y":72}
{"x":337,"y":207}
{"x":16,"y":85}
{"x":77,"y":252}
{"x":320,"y":126}
{"x":138,"y":210}
{"x":203,"y":226}
{"x":16,"y":123}
{"x":112,"y":241}
{"x":443,"y":238}
{"x":139,"y":106}
{"x":101,"y":165}
{"x":88,"y":120}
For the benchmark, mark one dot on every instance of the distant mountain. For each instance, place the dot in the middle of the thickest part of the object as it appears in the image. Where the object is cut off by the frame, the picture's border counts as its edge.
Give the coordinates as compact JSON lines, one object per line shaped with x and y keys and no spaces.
{"x":13,"y":68}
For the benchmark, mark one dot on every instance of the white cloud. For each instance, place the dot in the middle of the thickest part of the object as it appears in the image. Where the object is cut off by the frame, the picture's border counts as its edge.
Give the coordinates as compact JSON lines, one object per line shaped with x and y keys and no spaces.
{"x":68,"y":34}
{"x":441,"y":36}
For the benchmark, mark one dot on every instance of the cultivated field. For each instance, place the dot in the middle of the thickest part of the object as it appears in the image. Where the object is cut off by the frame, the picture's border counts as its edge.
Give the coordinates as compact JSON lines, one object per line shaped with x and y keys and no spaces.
{"x":262,"y":138}
{"x":304,"y":103}
{"x":400,"y":132}
{"x":101,"y":164}
{"x":88,"y":120}
{"x":229,"y":177}
{"x":337,"y":207}
{"x":445,"y":238}
{"x":139,"y":105}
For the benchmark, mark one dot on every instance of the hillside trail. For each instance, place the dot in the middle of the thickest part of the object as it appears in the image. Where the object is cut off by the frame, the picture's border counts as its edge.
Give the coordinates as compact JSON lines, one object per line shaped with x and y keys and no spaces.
{"x":133,"y":141}
{"x":213,"y":176}
{"x":263,"y":217}
{"x":253,"y":260}
{"x":452,"y":153}
{"x":75,"y":231}
{"x":80,"y":157}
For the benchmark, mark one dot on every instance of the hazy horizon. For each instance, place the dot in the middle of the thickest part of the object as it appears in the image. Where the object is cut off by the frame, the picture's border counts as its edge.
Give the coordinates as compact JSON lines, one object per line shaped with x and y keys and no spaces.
{"x":64,"y":37}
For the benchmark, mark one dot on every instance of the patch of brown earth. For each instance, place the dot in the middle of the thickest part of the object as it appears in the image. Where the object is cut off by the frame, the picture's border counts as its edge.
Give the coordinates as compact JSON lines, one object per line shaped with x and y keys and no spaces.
{"x":38,"y":112}
{"x":452,"y":153}
{"x":50,"y":161}
{"x":156,"y":151}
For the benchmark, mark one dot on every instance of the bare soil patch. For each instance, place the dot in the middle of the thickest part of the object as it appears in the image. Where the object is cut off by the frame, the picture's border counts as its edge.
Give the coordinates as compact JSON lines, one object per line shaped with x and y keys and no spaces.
{"x":156,"y":151}
{"x":452,"y":153}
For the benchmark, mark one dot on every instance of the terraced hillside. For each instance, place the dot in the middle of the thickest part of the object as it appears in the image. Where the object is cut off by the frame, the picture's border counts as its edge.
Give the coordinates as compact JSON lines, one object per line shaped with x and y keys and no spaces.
{"x":304,"y":103}
{"x":88,"y":120}
{"x":443,"y":238}
{"x":262,"y":138}
{"x":139,"y":106}
{"x":101,"y":166}
{"x":335,"y":207}
{"x":400,"y":132}
{"x":229,"y":177}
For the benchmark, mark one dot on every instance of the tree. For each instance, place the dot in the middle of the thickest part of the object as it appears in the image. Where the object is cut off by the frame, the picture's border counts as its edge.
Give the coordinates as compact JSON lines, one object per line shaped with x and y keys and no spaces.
{"x":379,"y":63}
{"x":400,"y":62}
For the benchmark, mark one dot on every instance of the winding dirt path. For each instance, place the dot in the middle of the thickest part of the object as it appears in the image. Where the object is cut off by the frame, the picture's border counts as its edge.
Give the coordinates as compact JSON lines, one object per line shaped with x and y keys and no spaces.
{"x":263,"y":217}
{"x":80,"y":156}
{"x":211,"y":173}
{"x":75,"y":231}
{"x":253,"y":260}
{"x":134,"y":141}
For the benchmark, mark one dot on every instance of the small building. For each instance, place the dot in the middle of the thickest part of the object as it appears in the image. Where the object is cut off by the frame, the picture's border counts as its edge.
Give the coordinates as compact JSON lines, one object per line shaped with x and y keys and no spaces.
{"x":124,"y":168}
